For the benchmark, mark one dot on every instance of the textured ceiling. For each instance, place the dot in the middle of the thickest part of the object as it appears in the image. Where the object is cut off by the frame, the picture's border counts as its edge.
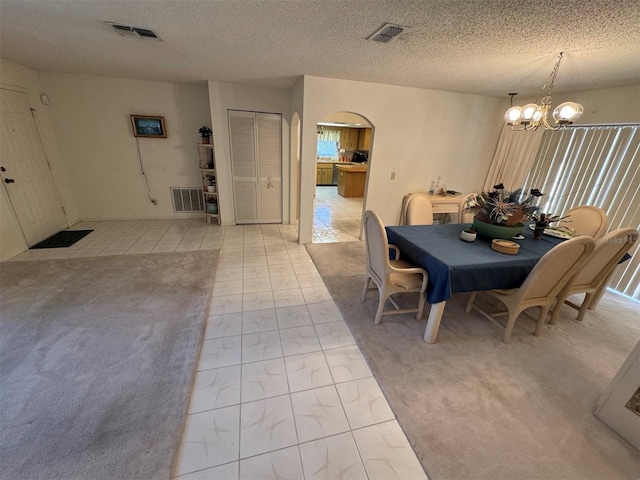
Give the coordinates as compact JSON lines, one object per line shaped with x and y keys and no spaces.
{"x":488,"y":47}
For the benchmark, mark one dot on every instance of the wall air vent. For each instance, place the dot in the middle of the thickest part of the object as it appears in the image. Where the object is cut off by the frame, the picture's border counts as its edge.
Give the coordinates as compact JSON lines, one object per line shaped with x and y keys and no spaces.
{"x":386,"y":33}
{"x":134,"y":32}
{"x":187,"y":200}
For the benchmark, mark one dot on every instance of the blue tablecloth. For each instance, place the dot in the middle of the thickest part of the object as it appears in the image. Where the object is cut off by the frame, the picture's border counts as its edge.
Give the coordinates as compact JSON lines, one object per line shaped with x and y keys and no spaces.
{"x":458,"y":266}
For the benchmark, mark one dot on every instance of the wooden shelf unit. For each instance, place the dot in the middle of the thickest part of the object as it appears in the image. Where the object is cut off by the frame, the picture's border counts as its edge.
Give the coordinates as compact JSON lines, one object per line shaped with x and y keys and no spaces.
{"x":206,"y":157}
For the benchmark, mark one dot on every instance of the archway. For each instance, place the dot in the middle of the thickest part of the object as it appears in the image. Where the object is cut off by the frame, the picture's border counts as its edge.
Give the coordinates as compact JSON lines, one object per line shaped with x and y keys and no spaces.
{"x":344,"y":154}
{"x":294,"y":177}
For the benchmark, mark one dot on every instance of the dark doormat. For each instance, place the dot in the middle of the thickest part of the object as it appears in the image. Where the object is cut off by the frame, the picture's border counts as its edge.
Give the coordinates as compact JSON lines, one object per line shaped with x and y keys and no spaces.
{"x":64,"y":238}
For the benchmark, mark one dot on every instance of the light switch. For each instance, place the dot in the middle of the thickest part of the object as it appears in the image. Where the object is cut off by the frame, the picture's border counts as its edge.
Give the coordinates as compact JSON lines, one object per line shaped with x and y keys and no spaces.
{"x":393,"y":175}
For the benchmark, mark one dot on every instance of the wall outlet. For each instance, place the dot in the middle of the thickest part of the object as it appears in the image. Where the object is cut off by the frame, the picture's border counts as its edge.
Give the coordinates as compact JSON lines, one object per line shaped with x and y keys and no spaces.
{"x":393,"y":175}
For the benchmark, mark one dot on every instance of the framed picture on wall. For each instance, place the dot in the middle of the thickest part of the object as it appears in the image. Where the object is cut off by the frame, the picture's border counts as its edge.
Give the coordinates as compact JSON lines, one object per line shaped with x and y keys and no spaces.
{"x":148,"y":126}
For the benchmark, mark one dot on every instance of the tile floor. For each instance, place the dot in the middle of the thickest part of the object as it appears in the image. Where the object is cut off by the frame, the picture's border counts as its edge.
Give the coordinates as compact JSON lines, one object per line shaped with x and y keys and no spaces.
{"x":335,"y":218}
{"x":282,"y":390}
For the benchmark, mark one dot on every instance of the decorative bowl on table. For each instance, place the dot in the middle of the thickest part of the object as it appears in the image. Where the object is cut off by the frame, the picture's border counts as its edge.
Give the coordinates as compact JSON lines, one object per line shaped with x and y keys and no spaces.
{"x":489,"y":230}
{"x":505,"y":246}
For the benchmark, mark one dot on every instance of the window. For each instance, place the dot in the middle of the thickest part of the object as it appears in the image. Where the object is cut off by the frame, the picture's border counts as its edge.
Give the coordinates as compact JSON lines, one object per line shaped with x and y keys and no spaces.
{"x":599,"y":166}
{"x":328,"y":141}
{"x":327,"y":149}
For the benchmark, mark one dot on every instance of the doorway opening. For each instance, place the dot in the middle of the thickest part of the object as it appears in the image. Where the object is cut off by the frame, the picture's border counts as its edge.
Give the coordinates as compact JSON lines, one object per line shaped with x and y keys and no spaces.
{"x":342,"y":165}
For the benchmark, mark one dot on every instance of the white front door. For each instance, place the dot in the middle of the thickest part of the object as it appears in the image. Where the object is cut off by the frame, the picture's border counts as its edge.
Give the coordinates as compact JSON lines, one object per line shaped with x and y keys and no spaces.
{"x":25,"y":171}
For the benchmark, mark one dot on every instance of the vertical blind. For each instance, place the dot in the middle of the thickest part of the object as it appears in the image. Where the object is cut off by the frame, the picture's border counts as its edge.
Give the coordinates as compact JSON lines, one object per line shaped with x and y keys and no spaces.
{"x":594,"y":165}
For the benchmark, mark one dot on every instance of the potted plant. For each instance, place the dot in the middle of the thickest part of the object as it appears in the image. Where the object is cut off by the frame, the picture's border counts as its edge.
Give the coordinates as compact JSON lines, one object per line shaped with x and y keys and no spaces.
{"x":205,"y":132}
{"x":542,"y":222}
{"x":500,"y":213}
{"x":468,"y":234}
{"x":211,"y":187}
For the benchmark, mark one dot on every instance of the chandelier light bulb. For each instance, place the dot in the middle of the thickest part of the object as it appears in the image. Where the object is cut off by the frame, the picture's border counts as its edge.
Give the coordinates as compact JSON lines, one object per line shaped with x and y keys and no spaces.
{"x":529,"y":112}
{"x":513,"y":115}
{"x":567,"y":112}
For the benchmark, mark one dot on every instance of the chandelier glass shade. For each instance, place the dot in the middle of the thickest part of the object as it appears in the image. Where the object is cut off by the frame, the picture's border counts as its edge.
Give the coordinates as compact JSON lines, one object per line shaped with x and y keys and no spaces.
{"x":532,"y":115}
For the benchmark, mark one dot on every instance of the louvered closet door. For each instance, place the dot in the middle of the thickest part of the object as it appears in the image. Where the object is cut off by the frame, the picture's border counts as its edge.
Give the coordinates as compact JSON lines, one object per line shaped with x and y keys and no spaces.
{"x":256,"y":162}
{"x":243,"y":166}
{"x":269,"y":147}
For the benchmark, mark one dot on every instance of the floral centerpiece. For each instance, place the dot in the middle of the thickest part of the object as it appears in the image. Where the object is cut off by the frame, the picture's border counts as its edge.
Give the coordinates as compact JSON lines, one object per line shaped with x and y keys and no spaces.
{"x":501,"y":213}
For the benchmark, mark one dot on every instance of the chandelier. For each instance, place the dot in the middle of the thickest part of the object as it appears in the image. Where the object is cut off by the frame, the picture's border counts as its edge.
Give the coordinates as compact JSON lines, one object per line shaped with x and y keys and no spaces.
{"x":531,"y":116}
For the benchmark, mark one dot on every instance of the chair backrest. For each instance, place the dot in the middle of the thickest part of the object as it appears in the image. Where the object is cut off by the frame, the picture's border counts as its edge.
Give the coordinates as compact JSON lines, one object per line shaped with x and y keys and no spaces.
{"x":556,"y":267}
{"x":419,"y":210}
{"x":377,"y":245}
{"x":586,"y":220}
{"x":608,"y":252}
{"x":463,"y":215}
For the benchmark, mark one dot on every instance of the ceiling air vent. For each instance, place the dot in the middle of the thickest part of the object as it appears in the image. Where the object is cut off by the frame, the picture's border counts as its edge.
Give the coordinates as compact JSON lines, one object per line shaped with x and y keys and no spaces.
{"x":134,"y":32}
{"x":386,"y":33}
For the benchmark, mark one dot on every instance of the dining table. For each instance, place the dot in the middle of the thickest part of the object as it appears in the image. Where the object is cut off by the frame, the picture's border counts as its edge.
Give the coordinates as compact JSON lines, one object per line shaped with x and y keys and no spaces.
{"x":456,"y":266}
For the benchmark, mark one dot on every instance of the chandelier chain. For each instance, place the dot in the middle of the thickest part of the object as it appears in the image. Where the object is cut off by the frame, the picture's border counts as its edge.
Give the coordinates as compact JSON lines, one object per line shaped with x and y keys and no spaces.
{"x":552,"y":77}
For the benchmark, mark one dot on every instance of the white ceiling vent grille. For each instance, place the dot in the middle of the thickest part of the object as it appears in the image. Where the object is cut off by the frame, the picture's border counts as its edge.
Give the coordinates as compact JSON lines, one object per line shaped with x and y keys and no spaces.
{"x":134,"y":32}
{"x":386,"y":33}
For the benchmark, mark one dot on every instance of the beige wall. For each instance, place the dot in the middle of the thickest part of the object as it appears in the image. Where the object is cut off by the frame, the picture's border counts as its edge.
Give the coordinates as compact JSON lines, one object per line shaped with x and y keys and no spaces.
{"x":93,"y":130}
{"x":418,"y":134}
{"x":227,"y":96}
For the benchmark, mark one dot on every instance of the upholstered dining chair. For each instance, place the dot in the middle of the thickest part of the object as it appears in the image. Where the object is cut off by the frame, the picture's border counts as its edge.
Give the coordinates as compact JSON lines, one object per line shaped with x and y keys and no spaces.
{"x":418,"y":210}
{"x":541,"y":286}
{"x":589,"y":277}
{"x":586,"y":220}
{"x":389,"y":276}
{"x":465,"y":216}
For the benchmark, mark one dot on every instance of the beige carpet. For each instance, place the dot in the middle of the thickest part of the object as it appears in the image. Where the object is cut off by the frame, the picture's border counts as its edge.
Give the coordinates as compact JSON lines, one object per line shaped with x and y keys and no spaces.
{"x":474,"y":407}
{"x":97,"y":357}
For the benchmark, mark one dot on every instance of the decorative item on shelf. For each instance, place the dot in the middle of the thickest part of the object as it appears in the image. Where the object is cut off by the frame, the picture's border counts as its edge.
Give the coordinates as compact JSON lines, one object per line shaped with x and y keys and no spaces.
{"x":205,"y":132}
{"x":499,"y":213}
{"x":211,"y":187}
{"x":212,"y":207}
{"x":532,"y":115}
{"x":210,"y":164}
{"x":468,"y":234}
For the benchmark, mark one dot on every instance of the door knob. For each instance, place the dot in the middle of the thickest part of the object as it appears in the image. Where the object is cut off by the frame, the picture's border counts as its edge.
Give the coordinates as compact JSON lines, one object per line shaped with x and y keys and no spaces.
{"x":2,"y":169}
{"x":9,"y":180}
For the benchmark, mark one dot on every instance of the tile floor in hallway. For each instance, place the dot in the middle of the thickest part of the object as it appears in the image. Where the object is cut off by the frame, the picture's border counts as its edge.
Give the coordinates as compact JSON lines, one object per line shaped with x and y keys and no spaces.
{"x":335,"y":218}
{"x":282,"y":390}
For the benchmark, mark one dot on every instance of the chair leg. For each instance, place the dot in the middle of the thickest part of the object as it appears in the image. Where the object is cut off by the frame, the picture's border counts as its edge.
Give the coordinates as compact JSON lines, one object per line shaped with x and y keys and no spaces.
{"x":381,"y":302}
{"x":542,"y":319}
{"x":513,"y":315}
{"x":367,"y":282}
{"x":472,"y":297}
{"x":420,"y":306}
{"x":556,"y":309}
{"x":588,"y":298}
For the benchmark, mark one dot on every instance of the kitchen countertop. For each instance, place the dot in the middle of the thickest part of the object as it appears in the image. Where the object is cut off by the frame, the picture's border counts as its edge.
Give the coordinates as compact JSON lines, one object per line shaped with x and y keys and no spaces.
{"x":352,"y":167}
{"x":337,"y":163}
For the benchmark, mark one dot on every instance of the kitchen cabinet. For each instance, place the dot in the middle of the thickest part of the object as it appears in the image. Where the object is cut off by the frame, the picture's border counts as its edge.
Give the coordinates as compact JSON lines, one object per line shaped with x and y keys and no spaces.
{"x":364,"y":139}
{"x":324,"y":173}
{"x":351,"y":180}
{"x":349,"y":138}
